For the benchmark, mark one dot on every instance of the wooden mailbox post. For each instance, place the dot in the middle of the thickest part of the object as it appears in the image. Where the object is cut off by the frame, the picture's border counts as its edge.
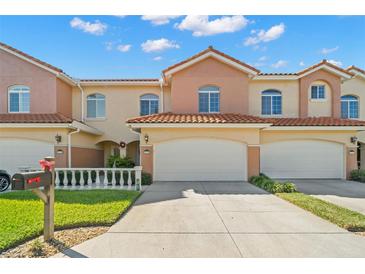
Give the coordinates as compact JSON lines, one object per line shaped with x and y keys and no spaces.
{"x":35,"y":180}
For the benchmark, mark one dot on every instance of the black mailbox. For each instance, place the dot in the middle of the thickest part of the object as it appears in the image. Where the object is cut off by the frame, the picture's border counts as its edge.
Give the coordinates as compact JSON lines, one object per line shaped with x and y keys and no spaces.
{"x":31,"y":180}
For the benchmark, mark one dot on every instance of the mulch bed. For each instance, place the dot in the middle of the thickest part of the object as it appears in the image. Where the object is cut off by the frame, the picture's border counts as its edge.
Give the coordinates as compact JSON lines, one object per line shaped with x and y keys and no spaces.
{"x":63,"y":240}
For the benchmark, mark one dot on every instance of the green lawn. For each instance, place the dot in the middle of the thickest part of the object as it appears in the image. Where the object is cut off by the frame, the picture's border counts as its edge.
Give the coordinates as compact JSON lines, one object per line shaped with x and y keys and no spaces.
{"x":21,"y":213}
{"x":348,"y":219}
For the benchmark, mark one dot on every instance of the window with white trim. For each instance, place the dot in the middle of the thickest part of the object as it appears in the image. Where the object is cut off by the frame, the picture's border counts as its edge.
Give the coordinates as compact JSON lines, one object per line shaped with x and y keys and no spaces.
{"x":149,"y":104}
{"x":318,"y":92}
{"x":19,"y":99}
{"x":95,"y":106}
{"x":271,"y":102}
{"x":209,"y":99}
{"x":349,"y":107}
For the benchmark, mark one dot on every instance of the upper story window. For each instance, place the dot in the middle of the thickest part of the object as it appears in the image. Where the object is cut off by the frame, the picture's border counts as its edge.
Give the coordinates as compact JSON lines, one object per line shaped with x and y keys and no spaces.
{"x":95,"y":106}
{"x":271,"y":102}
{"x":149,"y":104}
{"x":349,"y":107}
{"x":209,"y":99}
{"x":318,"y":92}
{"x":19,"y":99}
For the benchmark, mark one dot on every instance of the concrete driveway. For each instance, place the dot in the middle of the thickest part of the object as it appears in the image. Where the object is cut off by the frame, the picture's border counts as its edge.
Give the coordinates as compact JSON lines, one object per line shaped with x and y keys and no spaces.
{"x":347,"y":194}
{"x":194,"y":219}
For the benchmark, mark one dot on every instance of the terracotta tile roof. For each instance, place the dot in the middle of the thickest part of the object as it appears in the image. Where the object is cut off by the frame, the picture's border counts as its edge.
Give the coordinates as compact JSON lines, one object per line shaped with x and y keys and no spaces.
{"x":235,"y":118}
{"x":314,"y":121}
{"x":30,"y":57}
{"x":356,"y":68}
{"x":197,"y":118}
{"x":34,"y":118}
{"x":278,"y":73}
{"x":325,"y":62}
{"x":210,"y":48}
{"x":120,"y":80}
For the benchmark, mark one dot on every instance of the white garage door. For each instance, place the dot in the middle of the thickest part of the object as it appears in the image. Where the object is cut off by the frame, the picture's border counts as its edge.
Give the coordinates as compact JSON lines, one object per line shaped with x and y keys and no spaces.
{"x":302,"y":159}
{"x":17,"y":153}
{"x":200,"y":160}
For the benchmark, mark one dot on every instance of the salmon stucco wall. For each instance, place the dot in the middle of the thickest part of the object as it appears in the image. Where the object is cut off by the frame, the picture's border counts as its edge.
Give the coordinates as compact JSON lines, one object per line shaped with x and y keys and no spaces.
{"x":320,"y":75}
{"x":233,"y":85}
{"x":64,"y":98}
{"x":351,"y":160}
{"x":253,"y":161}
{"x":147,"y":158}
{"x":42,"y":83}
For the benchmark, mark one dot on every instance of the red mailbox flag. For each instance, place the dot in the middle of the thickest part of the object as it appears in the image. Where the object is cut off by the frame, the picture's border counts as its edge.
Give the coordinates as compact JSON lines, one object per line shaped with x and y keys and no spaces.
{"x":46,"y":165}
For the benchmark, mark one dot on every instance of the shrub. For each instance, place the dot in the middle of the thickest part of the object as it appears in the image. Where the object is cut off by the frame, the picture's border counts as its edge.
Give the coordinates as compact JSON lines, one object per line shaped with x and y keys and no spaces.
{"x":77,"y":177}
{"x":93,"y":176}
{"x":61,"y":177}
{"x":289,"y":187}
{"x":146,"y":178}
{"x":355,"y":175}
{"x":120,"y":162}
{"x":269,"y":185}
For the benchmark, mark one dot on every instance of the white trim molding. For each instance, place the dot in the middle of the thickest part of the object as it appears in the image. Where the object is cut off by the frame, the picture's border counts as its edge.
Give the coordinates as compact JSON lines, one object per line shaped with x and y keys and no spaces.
{"x":320,"y":128}
{"x":197,"y":125}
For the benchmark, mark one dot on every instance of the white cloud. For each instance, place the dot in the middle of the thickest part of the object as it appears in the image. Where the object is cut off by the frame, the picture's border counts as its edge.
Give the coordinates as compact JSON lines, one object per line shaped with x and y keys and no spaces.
{"x":158,"y":20}
{"x":263,"y":58}
{"x":96,"y":28}
{"x":159,"y":45}
{"x":326,"y":51}
{"x":335,"y":62}
{"x":260,"y":36}
{"x":301,"y":63}
{"x":157,"y":58}
{"x":201,"y":26}
{"x":280,"y":64}
{"x":124,"y":48}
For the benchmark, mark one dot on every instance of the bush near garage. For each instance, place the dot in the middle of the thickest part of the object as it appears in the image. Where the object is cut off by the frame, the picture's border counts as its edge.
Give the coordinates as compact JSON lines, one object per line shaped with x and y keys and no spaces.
{"x":358,"y":175}
{"x":270,"y":185}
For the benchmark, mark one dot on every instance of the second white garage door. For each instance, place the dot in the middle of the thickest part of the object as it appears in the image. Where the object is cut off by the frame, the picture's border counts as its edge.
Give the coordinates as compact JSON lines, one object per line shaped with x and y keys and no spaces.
{"x":302,"y":159}
{"x":200,"y":160}
{"x":22,"y":153}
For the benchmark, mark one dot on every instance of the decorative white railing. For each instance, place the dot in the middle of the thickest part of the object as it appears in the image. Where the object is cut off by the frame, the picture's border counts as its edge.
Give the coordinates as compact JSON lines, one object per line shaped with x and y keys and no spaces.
{"x":87,"y":178}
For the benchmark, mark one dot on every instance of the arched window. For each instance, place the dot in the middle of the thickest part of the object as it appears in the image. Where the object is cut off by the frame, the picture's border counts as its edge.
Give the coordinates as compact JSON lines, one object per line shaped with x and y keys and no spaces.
{"x":149,"y":104}
{"x":271,"y":102}
{"x":209,"y":99}
{"x":95,"y":106}
{"x":349,"y":107}
{"x":19,"y":99}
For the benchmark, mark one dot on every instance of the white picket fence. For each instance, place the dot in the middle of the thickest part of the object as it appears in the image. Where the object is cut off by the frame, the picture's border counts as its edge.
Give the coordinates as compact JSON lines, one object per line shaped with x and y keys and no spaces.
{"x":99,"y":178}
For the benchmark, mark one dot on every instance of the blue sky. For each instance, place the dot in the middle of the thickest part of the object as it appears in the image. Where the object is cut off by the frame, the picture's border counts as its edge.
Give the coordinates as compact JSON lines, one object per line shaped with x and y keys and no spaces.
{"x":136,"y":47}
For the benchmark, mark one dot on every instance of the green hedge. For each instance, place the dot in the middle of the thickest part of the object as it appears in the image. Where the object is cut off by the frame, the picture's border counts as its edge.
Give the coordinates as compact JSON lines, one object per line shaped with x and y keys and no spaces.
{"x":358,"y":175}
{"x":270,"y":185}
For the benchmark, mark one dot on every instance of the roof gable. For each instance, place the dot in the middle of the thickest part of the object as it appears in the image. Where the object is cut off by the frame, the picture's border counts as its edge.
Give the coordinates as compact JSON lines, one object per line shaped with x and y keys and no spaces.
{"x":211,"y":53}
{"x":26,"y":57}
{"x":327,"y":66}
{"x":357,"y":71}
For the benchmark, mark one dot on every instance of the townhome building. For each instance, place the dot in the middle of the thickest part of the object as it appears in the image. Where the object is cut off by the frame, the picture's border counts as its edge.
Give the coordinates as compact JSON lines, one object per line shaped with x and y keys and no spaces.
{"x":210,"y":117}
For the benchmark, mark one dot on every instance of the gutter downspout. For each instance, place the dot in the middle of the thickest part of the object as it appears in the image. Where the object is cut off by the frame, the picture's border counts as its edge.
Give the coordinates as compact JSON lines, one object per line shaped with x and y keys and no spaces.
{"x":161,"y":95}
{"x":82,"y":100}
{"x":69,"y":147}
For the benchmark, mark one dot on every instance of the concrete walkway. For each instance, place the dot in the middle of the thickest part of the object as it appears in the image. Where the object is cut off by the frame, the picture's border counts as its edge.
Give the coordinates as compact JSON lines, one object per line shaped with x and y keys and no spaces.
{"x":347,"y":194}
{"x":223,"y":219}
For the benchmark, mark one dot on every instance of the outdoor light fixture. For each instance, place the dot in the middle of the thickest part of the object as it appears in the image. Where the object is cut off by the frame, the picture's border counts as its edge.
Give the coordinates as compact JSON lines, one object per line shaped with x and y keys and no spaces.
{"x":353,"y":139}
{"x":146,"y":138}
{"x":146,"y":151}
{"x":352,"y":152}
{"x":122,"y":144}
{"x":58,"y":138}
